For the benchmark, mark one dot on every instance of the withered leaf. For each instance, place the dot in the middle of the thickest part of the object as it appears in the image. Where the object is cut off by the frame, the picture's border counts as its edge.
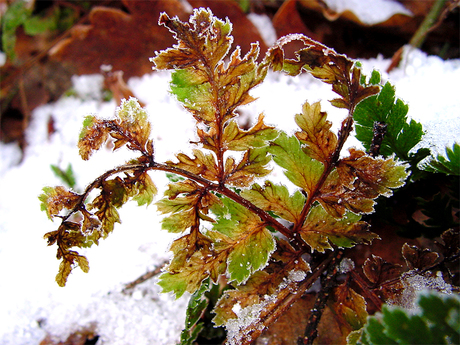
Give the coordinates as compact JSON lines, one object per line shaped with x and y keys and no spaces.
{"x":128,"y":38}
{"x":328,"y":66}
{"x":358,"y":180}
{"x":187,"y":203}
{"x":418,"y":258}
{"x":210,"y":88}
{"x":202,"y":164}
{"x":93,"y":134}
{"x":253,"y":164}
{"x":261,"y":288}
{"x":55,"y":199}
{"x":348,"y":308}
{"x":133,"y":126}
{"x":194,"y":262}
{"x":378,"y":271}
{"x":70,"y":259}
{"x":203,"y":30}
{"x":377,"y":176}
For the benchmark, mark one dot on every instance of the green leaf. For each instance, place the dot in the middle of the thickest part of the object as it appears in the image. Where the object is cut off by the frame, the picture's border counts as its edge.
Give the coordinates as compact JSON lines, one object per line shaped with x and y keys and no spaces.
{"x":449,"y":165}
{"x":244,"y":236}
{"x":400,"y":137}
{"x":432,"y":324}
{"x":145,"y":190}
{"x":67,"y":176}
{"x":196,"y":307}
{"x":39,"y":24}
{"x":16,"y":15}
{"x":443,"y":315}
{"x":406,"y":329}
{"x":375,"y":332}
{"x":193,"y":93}
{"x":300,"y":169}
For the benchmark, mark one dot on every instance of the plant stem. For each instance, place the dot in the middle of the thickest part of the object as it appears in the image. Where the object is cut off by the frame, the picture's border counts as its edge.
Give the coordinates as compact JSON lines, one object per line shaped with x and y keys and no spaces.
{"x":427,"y":24}
{"x":285,"y":298}
{"x":311,"y":330}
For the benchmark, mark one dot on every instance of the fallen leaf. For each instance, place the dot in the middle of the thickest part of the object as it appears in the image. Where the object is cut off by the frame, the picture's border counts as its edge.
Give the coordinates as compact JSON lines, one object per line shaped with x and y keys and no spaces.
{"x":124,"y":40}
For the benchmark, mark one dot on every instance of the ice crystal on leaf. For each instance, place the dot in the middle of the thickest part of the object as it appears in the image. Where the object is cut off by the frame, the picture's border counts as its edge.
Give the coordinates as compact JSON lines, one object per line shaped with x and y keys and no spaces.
{"x":256,"y":237}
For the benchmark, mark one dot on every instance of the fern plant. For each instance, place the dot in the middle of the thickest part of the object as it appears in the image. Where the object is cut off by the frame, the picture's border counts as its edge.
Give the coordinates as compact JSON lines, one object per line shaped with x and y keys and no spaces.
{"x":437,"y":321}
{"x":249,"y":247}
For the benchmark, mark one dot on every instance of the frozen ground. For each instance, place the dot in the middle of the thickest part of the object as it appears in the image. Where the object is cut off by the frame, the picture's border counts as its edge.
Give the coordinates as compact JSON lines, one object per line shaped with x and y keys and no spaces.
{"x":31,"y":303}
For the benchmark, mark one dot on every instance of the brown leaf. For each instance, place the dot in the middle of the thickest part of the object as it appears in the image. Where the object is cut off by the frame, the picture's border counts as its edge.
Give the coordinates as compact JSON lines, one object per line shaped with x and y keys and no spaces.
{"x":288,"y":20}
{"x":115,"y":83}
{"x":201,"y":164}
{"x":123,"y":40}
{"x":358,"y":180}
{"x":321,"y":142}
{"x":418,"y":258}
{"x":378,"y":271}
{"x":349,"y":309}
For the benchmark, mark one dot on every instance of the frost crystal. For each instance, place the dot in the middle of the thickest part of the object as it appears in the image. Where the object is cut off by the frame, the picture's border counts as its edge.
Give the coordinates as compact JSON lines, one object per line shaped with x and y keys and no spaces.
{"x":346,"y":265}
{"x":245,"y":318}
{"x":414,"y":282}
{"x":297,"y":276}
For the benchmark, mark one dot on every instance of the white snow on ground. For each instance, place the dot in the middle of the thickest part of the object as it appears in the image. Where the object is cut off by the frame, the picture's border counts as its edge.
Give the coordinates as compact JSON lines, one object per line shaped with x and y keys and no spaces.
{"x":32,"y":304}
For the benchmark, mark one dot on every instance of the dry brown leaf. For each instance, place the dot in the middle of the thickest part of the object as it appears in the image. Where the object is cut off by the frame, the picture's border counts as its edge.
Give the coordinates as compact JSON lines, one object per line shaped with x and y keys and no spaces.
{"x":124,"y":40}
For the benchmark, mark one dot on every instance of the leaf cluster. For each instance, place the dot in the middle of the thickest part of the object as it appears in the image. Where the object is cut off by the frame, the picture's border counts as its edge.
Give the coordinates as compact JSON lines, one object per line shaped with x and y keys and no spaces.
{"x":235,"y":225}
{"x":85,"y":223}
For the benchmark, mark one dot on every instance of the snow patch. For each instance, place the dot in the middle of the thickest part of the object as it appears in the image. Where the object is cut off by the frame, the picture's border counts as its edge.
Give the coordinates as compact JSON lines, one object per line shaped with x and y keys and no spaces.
{"x":370,"y":11}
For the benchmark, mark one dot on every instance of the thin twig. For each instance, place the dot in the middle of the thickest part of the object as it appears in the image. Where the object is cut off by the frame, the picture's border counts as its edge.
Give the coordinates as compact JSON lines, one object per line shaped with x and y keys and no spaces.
{"x":311,"y":330}
{"x":146,"y":276}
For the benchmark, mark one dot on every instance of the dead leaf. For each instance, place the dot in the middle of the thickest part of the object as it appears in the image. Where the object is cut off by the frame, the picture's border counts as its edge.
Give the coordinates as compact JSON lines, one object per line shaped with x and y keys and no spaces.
{"x":124,"y":40}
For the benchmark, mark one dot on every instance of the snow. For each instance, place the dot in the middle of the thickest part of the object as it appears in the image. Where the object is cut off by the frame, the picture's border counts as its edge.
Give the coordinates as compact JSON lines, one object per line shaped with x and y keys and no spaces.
{"x":366,"y":10}
{"x":33,"y":305}
{"x":415,"y":283}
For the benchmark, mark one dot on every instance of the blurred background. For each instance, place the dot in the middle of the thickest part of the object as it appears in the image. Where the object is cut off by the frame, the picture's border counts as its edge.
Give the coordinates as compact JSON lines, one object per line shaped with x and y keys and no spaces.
{"x":44,"y":43}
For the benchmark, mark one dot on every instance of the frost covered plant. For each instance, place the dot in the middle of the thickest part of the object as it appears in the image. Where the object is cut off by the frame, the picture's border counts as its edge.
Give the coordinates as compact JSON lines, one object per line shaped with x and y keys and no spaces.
{"x":256,"y":243}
